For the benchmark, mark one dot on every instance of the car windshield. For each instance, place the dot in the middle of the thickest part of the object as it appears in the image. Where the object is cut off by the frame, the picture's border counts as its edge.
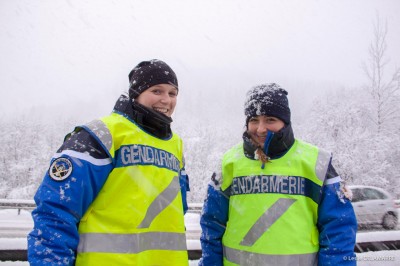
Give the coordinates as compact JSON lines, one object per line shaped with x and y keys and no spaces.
{"x":361,"y":194}
{"x":372,"y":194}
{"x":358,"y":195}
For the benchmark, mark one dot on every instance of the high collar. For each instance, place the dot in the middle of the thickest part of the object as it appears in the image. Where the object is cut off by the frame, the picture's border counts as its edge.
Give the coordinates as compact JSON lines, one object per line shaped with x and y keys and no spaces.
{"x":152,"y":122}
{"x":275,"y":147}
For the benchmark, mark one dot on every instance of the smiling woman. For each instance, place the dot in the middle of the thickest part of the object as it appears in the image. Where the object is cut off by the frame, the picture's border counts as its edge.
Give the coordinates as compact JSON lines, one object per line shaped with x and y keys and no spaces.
{"x":275,"y":198}
{"x":161,"y":98}
{"x":131,"y":206}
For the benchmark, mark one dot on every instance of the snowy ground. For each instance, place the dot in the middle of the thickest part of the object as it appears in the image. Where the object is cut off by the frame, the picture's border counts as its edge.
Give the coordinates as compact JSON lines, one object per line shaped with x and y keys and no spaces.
{"x":12,"y":225}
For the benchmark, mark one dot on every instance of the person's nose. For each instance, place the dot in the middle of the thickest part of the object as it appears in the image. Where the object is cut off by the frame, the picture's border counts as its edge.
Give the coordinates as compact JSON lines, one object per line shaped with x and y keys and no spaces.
{"x":165,"y":98}
{"x":262,"y":128}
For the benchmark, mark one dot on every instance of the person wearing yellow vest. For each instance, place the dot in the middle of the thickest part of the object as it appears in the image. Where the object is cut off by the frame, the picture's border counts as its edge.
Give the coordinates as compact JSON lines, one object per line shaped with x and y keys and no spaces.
{"x":115,"y":191}
{"x":277,"y":200}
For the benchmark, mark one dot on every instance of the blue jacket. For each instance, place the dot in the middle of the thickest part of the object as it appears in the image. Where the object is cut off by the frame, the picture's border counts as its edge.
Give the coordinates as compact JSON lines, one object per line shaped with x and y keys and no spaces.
{"x":336,"y":221}
{"x":62,"y":203}
{"x":337,"y":226}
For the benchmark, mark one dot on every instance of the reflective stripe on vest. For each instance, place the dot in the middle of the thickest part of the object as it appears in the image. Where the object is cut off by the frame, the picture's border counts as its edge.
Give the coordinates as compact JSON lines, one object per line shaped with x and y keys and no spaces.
{"x":131,"y":243}
{"x":266,"y":220}
{"x":102,"y":133}
{"x":321,"y":167}
{"x":242,"y":257}
{"x":161,"y":202}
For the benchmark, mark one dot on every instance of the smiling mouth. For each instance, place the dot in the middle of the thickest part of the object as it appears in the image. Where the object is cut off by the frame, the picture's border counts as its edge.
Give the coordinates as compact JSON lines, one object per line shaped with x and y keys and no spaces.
{"x":161,"y":110}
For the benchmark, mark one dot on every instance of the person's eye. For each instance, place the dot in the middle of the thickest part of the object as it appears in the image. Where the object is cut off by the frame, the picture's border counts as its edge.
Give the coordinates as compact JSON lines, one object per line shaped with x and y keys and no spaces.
{"x":173,"y":94}
{"x":270,"y":120}
{"x":156,"y":91}
{"x":253,"y":120}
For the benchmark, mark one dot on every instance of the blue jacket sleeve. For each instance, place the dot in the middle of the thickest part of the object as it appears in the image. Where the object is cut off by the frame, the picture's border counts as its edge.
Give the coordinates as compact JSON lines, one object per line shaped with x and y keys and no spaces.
{"x":213,"y":224}
{"x":184,"y":184}
{"x":337,"y":226}
{"x":62,"y":202}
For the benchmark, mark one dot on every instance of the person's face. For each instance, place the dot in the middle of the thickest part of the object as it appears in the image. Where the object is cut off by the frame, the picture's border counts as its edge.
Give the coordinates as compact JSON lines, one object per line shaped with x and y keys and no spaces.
{"x":259,"y":126}
{"x":161,"y":98}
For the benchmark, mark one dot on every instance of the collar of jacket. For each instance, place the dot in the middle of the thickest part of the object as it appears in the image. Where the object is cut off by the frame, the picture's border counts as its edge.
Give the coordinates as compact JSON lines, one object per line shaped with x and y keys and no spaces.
{"x":279,"y":144}
{"x":153,"y":122}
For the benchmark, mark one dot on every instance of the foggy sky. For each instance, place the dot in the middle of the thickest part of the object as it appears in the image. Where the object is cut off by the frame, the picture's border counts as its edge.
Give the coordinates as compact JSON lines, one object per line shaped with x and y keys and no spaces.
{"x":58,"y":52}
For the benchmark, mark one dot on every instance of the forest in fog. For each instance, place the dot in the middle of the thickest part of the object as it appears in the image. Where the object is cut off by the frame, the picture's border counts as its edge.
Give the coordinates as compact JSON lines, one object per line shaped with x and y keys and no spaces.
{"x":360,"y":126}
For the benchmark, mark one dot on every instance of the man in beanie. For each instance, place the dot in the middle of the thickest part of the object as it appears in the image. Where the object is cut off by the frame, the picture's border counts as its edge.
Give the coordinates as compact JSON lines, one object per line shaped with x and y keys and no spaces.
{"x":277,"y":200}
{"x":115,"y":191}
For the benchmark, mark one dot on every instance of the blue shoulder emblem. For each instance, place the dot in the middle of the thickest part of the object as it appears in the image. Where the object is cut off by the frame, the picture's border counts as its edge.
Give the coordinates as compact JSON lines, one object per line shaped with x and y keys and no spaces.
{"x":60,"y":169}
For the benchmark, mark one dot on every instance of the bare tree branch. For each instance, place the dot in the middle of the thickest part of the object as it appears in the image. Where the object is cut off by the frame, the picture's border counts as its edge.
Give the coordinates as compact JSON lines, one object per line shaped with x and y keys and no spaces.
{"x":383,"y":92}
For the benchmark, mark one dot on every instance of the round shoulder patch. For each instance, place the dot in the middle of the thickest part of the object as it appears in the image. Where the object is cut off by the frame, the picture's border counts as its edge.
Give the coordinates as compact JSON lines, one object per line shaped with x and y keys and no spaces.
{"x":60,"y":169}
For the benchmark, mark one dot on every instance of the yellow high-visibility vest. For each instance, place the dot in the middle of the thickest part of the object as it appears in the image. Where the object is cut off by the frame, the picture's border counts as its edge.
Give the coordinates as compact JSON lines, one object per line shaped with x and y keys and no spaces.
{"x":273,"y":211}
{"x":137,"y":217}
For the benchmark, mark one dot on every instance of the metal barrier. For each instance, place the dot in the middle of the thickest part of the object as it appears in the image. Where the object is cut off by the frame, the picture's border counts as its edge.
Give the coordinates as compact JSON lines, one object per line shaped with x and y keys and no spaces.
{"x":192,"y":234}
{"x":17,"y":204}
{"x":21,"y":254}
{"x":30,"y":205}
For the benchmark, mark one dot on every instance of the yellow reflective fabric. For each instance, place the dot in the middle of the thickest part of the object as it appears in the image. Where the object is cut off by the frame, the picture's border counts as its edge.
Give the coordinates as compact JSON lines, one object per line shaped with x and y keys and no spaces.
{"x":140,"y":201}
{"x":272,"y":212}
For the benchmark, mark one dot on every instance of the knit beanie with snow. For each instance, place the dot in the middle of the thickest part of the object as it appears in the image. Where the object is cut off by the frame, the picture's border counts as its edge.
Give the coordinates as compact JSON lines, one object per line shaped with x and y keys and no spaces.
{"x":267,"y":99}
{"x":149,"y":73}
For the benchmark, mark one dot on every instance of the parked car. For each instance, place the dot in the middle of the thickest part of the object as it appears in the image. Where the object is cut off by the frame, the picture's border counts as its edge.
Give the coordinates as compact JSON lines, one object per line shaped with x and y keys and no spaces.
{"x":374,"y":206}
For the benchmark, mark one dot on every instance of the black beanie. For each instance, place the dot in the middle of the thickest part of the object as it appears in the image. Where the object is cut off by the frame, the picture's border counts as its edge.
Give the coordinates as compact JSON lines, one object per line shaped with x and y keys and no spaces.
{"x":267,"y":99}
{"x":149,"y":73}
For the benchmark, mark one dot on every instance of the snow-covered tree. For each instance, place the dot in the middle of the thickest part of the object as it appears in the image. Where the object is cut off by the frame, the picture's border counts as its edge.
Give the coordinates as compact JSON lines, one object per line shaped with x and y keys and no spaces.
{"x":383,"y":89}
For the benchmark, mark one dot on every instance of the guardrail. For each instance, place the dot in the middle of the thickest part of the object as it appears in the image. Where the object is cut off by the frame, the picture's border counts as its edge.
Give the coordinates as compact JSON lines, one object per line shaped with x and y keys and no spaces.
{"x":30,"y":205}
{"x":193,"y":234}
{"x":20,"y":254}
{"x":17,"y":204}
